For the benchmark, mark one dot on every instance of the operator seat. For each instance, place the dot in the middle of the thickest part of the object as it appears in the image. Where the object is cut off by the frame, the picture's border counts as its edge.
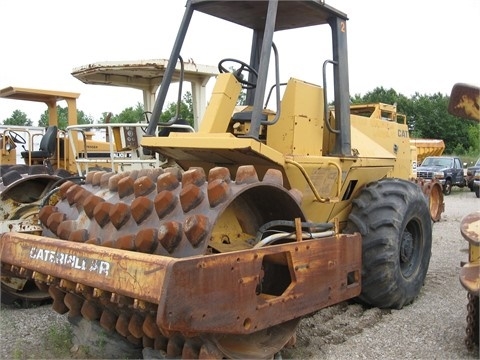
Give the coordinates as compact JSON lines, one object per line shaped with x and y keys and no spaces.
{"x":168,"y":129}
{"x":46,"y":148}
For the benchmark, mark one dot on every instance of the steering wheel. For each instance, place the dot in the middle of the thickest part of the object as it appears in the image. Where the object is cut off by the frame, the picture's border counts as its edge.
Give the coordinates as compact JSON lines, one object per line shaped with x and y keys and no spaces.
{"x":238,"y":72}
{"x":16,"y":137}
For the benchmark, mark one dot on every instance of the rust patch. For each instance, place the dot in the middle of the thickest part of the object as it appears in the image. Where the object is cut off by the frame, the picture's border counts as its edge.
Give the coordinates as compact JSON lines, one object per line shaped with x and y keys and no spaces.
{"x":167,"y":181}
{"x":90,"y":203}
{"x":113,"y":181}
{"x":126,"y":242}
{"x":246,"y":174}
{"x":89,"y":177}
{"x":64,"y":188}
{"x":45,"y":212}
{"x":174,"y":347}
{"x":80,"y":196}
{"x":150,"y":328}
{"x":135,"y":325}
{"x":196,"y":228}
{"x":71,"y":192}
{"x":219,"y":173}
{"x":119,"y":214}
{"x":108,"y":320}
{"x":153,"y":174}
{"x":194,"y":176}
{"x":169,"y":236}
{"x":164,"y":203}
{"x":57,"y":296}
{"x":80,"y":235}
{"x":65,"y":229}
{"x":74,"y":304}
{"x":54,"y":221}
{"x":122,"y":325}
{"x":143,"y":186}
{"x":217,"y":191}
{"x":97,"y":176}
{"x":93,"y":241}
{"x":105,"y":178}
{"x":190,"y":196}
{"x":142,"y":207}
{"x":101,"y":213}
{"x":125,"y":187}
{"x":191,"y":349}
{"x":90,"y":311}
{"x":146,"y":240}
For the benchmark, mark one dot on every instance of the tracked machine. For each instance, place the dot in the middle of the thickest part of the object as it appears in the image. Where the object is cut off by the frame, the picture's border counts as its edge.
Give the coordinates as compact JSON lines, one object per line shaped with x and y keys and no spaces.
{"x":267,"y":215}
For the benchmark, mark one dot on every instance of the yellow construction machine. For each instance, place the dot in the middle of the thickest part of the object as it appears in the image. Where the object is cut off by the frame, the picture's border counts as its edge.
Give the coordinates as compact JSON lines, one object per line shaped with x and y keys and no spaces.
{"x":29,"y":173}
{"x":34,"y":161}
{"x":267,"y":215}
{"x":428,"y":147}
{"x":465,"y":103}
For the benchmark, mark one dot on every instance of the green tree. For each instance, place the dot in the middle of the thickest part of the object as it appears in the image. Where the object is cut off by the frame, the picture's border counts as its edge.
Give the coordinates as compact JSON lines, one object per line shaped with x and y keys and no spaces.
{"x":186,"y":109}
{"x":129,"y":115}
{"x":18,"y":118}
{"x":427,"y":117}
{"x":380,"y":94}
{"x":474,"y":138}
{"x":432,"y":120}
{"x":62,"y":113}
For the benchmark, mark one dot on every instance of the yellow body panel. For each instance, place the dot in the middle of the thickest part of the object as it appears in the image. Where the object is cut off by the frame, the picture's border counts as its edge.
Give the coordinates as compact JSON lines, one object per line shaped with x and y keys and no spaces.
{"x":221,"y":105}
{"x":299,"y":145}
{"x":299,"y":130}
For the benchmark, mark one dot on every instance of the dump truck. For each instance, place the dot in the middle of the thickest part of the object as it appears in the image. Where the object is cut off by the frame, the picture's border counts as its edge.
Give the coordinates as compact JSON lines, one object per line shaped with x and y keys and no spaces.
{"x":265,"y":216}
{"x":465,"y":103}
{"x":428,"y":147}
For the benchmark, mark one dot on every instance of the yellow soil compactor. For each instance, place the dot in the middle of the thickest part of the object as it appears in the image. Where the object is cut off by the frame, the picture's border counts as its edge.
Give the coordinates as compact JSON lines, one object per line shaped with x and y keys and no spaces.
{"x":265,"y":216}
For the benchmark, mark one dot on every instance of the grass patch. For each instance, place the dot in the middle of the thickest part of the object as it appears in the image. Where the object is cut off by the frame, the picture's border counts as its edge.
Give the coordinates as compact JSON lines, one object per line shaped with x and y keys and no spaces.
{"x":58,"y":339}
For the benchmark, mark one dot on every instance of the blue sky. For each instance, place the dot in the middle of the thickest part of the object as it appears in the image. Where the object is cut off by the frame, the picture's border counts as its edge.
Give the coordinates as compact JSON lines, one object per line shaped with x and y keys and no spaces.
{"x":411,"y":46}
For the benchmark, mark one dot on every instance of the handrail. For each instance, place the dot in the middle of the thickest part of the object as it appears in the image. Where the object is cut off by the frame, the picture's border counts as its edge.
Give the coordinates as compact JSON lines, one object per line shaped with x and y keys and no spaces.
{"x":113,"y":157}
{"x":325,"y":99}
{"x":29,"y":140}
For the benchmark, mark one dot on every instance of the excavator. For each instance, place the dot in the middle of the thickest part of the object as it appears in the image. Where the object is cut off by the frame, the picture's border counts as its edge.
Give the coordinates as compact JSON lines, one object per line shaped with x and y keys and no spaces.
{"x":263,"y":216}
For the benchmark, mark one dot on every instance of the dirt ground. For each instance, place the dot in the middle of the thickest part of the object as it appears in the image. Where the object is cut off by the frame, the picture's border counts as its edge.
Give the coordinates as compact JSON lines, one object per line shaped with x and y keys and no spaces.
{"x":433,"y":327}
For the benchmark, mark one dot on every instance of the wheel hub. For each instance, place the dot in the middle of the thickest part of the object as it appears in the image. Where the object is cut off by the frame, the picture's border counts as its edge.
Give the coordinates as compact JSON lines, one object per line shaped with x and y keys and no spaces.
{"x":406,"y":250}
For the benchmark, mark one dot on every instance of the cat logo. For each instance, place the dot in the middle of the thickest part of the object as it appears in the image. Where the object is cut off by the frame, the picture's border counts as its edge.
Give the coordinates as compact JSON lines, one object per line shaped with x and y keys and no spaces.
{"x":403,"y":133}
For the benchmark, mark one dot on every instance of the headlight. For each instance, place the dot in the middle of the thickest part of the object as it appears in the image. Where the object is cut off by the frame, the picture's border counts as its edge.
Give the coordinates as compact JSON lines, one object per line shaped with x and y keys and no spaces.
{"x":438,"y":174}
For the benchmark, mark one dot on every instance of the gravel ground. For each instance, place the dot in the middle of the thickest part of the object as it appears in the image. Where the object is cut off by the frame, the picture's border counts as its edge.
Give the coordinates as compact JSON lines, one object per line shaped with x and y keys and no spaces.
{"x":433,"y":327}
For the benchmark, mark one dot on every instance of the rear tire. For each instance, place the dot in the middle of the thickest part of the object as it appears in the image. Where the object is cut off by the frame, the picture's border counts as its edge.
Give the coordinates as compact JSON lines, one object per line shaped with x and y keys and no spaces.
{"x":394,"y":221}
{"x":477,"y":191}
